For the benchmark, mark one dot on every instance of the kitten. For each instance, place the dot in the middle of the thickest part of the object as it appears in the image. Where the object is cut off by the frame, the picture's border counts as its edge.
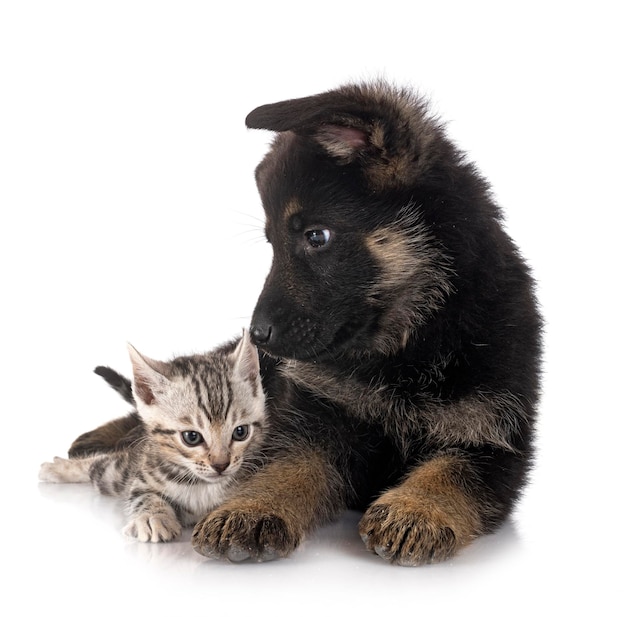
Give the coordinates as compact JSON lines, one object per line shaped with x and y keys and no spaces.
{"x":203,"y":419}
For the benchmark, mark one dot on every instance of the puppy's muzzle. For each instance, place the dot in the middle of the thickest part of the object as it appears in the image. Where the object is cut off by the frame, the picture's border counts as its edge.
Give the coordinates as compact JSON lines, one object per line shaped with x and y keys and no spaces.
{"x":261,"y":333}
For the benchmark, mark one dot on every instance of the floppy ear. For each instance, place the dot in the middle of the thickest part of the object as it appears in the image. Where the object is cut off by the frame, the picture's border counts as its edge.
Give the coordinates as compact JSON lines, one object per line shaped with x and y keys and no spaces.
{"x":328,"y":118}
{"x":150,"y":377}
{"x":384,"y":129}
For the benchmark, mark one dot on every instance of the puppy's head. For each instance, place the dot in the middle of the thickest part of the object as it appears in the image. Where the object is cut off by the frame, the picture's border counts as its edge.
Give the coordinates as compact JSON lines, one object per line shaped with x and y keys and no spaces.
{"x":355,"y":265}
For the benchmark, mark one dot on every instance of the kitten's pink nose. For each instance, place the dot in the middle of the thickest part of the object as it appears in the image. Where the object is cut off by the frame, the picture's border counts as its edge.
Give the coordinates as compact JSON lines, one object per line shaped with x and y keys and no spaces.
{"x":220,"y":466}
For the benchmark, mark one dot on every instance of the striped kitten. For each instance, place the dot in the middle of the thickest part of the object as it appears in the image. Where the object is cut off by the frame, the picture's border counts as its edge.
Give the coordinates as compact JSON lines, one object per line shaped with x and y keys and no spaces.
{"x":203,"y":419}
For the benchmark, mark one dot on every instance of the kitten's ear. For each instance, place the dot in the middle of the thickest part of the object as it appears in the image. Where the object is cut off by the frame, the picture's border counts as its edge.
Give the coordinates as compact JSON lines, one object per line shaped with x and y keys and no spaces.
{"x":149,"y":376}
{"x":246,"y":358}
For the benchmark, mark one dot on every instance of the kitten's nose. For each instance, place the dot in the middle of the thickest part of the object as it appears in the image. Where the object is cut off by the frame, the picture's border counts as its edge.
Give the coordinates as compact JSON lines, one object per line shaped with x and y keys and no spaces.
{"x":220,"y":466}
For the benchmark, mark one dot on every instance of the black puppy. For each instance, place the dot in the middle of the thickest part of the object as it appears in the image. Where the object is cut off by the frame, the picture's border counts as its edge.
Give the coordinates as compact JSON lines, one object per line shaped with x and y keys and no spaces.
{"x":400,"y":337}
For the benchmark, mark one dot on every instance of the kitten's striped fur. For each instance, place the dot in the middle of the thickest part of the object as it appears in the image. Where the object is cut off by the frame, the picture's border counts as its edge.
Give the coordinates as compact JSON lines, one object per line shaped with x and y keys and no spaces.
{"x":203,"y":419}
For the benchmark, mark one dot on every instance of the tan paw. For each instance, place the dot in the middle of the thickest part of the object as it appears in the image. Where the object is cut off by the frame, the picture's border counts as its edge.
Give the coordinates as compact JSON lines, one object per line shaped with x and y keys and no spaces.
{"x":408,"y":536}
{"x":427,"y":518}
{"x":238,"y":534}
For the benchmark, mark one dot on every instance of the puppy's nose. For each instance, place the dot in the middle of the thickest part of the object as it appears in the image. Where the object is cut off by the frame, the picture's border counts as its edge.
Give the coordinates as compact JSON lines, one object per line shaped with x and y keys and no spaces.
{"x":260,"y":333}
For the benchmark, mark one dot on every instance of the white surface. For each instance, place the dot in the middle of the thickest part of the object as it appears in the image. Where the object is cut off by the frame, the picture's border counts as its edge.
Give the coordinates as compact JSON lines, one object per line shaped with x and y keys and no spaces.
{"x":129,"y":212}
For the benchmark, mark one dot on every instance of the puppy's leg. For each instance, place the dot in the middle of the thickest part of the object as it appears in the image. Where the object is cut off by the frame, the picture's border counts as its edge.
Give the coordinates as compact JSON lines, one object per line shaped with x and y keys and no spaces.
{"x":429,"y":516}
{"x":273,"y":511}
{"x":105,"y":438}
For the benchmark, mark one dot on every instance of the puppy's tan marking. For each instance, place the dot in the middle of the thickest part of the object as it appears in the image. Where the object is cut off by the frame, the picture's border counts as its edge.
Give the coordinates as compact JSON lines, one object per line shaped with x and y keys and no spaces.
{"x":395,"y":252}
{"x":427,"y":518}
{"x":482,"y":418}
{"x":414,"y":280}
{"x":292,"y":208}
{"x":272,"y":511}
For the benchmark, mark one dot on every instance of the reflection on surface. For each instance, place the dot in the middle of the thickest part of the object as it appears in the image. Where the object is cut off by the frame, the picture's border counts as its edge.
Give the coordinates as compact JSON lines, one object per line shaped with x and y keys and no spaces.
{"x":337,"y":541}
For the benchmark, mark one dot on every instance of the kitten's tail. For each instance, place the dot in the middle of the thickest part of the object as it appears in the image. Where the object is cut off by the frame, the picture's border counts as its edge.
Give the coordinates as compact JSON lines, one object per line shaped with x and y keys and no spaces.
{"x":118,"y":382}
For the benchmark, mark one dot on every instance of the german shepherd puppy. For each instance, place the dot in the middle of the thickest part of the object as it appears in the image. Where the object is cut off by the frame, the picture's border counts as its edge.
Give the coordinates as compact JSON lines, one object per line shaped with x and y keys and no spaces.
{"x":399,"y":332}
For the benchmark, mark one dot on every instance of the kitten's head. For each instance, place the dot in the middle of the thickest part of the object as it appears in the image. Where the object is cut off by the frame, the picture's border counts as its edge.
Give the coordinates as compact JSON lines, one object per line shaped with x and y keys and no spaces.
{"x":204,"y":413}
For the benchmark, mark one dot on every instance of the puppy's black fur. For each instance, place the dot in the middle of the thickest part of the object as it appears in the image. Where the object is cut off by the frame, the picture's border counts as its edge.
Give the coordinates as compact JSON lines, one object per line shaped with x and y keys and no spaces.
{"x":400,"y":337}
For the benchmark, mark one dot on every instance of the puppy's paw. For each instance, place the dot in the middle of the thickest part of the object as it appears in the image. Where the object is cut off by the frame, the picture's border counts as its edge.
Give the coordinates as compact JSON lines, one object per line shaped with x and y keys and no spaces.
{"x":146,"y":527}
{"x":245,"y":532}
{"x":409,"y":534}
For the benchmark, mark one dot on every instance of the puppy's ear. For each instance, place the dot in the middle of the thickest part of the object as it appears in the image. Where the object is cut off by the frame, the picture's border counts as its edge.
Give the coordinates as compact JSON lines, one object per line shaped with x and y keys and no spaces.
{"x":384,"y":129}
{"x":329,"y":118}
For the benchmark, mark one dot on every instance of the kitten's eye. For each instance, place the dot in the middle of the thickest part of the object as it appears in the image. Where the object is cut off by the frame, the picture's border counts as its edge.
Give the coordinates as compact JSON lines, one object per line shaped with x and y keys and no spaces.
{"x":317,"y":238}
{"x":192,"y":438}
{"x":241,"y":432}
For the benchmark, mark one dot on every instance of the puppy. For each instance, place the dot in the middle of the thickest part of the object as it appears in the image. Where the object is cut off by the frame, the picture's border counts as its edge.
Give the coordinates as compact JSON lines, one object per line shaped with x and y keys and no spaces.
{"x":399,"y":332}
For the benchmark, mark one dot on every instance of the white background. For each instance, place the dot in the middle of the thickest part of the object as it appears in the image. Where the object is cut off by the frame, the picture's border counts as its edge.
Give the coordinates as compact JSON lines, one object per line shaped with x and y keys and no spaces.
{"x":129,"y":213}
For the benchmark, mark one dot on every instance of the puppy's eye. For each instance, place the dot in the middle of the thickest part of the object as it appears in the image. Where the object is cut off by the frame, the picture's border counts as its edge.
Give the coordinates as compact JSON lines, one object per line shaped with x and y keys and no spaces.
{"x":192,"y":438}
{"x":317,"y":238}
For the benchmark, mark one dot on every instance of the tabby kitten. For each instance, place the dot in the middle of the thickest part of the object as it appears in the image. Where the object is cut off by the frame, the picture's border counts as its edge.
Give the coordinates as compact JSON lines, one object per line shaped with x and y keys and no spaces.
{"x":203,"y":419}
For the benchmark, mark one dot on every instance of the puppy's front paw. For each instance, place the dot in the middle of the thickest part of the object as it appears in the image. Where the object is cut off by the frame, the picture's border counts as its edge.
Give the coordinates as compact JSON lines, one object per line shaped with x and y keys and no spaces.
{"x":160,"y":527}
{"x":408,"y":534}
{"x":241,"y":533}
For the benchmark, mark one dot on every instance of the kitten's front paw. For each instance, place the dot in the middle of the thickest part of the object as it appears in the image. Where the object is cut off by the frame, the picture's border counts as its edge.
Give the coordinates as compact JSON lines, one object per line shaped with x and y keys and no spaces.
{"x":238,"y":534}
{"x":153,"y":528}
{"x":407,"y":536}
